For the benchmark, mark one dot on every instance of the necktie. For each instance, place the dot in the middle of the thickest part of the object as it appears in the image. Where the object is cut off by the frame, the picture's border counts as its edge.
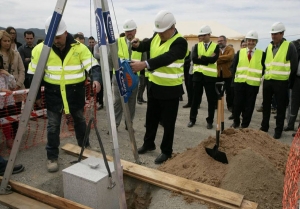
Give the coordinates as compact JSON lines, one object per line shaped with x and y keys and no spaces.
{"x":205,"y":45}
{"x":129,"y":50}
{"x":249,"y":55}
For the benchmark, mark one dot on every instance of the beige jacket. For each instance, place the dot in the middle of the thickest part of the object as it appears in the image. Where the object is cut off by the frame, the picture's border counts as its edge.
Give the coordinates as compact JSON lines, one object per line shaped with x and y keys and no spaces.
{"x":224,"y":62}
{"x":18,"y":71}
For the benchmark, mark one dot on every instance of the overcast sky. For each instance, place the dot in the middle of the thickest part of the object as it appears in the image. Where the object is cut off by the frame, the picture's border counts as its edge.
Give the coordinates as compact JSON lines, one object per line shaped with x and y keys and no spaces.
{"x":239,"y":15}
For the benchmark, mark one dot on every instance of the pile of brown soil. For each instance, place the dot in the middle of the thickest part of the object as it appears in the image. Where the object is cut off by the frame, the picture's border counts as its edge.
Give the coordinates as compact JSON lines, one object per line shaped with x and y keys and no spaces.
{"x":256,"y":165}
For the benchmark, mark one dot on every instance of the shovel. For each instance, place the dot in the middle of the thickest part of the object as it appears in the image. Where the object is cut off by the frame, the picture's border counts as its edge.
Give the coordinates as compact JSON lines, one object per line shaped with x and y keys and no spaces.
{"x":214,"y":152}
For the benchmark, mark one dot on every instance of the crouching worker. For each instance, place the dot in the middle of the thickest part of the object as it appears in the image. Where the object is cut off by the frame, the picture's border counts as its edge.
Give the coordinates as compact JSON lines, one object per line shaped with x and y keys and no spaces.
{"x":64,"y":80}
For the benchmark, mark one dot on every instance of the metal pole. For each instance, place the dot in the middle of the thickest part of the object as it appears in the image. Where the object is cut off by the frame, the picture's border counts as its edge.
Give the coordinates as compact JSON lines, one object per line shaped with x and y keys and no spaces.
{"x":116,"y":65}
{"x":108,"y":100}
{"x":57,"y":14}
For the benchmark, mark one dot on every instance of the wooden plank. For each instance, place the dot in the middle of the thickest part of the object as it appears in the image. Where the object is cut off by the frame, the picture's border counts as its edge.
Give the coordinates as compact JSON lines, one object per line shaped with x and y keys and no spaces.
{"x":245,"y":203}
{"x":15,"y":200}
{"x":198,"y":190}
{"x":45,"y":197}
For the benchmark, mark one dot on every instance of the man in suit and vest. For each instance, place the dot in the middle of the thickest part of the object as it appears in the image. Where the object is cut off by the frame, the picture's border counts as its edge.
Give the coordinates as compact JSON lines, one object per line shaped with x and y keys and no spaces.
{"x":281,"y":67}
{"x":248,"y":67}
{"x":125,"y":52}
{"x":205,"y":56}
{"x":167,"y":52}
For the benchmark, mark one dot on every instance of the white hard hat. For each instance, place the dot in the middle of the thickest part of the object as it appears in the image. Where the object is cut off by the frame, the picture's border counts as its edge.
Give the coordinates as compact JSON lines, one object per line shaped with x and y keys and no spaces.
{"x":252,"y":34}
{"x":205,"y":29}
{"x":129,"y":25}
{"x":277,"y":27}
{"x":163,"y":21}
{"x":61,"y":28}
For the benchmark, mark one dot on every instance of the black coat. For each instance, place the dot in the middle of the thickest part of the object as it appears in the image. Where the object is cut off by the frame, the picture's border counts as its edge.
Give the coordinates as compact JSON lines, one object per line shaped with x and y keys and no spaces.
{"x":178,"y":50}
{"x":200,"y":77}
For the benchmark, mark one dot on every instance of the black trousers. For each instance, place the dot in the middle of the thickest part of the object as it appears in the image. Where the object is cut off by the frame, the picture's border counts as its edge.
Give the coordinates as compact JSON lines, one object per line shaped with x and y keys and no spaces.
{"x":244,"y":103}
{"x":228,"y":90}
{"x":166,"y":111}
{"x":100,"y":96}
{"x":295,"y":102}
{"x":197,"y":99}
{"x":279,"y":89}
{"x":190,"y":88}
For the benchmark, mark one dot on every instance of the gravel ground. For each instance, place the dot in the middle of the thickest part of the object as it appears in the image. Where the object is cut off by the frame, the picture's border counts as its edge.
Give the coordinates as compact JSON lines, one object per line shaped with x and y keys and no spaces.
{"x":34,"y":159}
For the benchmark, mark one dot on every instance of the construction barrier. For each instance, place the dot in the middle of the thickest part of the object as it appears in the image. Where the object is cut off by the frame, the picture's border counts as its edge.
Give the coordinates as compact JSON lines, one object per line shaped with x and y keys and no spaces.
{"x":36,"y":132}
{"x":292,"y":173}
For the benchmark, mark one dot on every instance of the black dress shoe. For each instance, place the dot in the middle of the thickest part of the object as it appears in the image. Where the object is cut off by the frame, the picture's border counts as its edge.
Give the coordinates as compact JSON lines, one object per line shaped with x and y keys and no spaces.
{"x":190,"y":124}
{"x":231,"y":117}
{"x":143,"y":149}
{"x":139,"y":102}
{"x":144,"y":101}
{"x":234,"y":125}
{"x":161,"y":158}
{"x":209,"y":126}
{"x":187,"y":105}
{"x":17,"y":169}
{"x":288,"y":129}
{"x":262,"y":129}
{"x":277,"y":135}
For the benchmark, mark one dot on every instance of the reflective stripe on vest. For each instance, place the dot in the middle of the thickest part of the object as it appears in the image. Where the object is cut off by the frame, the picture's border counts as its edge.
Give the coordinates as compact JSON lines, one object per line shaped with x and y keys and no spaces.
{"x":211,"y":69}
{"x":249,"y":72}
{"x":146,"y":73}
{"x":170,"y":75}
{"x":70,"y":71}
{"x":277,"y":68}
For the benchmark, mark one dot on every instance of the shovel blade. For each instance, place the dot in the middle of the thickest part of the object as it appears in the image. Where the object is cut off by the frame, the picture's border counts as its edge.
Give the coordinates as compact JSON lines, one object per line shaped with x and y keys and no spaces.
{"x":216,"y":154}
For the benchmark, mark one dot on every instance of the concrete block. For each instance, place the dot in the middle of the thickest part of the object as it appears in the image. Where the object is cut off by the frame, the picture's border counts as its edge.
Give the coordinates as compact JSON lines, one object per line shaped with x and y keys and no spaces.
{"x":87,"y":183}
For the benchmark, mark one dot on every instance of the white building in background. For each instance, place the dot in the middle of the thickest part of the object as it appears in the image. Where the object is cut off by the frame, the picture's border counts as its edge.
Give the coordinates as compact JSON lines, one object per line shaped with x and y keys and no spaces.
{"x":190,"y":30}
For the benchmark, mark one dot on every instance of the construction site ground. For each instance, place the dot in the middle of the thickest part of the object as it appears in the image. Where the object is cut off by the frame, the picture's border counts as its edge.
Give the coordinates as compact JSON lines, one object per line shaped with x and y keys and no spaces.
{"x":34,"y":159}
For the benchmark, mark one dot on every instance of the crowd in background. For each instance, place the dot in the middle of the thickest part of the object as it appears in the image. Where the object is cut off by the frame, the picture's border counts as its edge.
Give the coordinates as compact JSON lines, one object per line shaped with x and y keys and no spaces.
{"x":277,"y":68}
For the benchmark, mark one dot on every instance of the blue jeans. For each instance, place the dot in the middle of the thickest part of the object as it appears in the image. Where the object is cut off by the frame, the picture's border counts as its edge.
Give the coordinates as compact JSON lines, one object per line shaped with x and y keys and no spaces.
{"x":53,"y":131}
{"x":3,"y":163}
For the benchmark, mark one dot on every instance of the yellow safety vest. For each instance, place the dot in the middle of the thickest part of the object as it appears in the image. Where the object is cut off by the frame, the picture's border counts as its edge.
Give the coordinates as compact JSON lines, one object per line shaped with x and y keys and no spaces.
{"x":249,"y":72}
{"x":278,"y":68}
{"x":170,"y":75}
{"x":211,"y":69}
{"x":69,"y":71}
{"x":124,"y":54}
{"x":146,"y":73}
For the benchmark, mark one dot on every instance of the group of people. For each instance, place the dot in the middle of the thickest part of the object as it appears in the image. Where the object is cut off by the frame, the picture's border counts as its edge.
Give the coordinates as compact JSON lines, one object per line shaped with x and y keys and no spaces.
{"x":164,"y":58}
{"x":276,"y":67}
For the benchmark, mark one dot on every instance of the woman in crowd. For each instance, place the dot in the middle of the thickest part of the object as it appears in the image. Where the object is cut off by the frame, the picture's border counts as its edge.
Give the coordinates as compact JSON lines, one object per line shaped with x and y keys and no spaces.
{"x":7,"y":101}
{"x":12,"y":63}
{"x":14,"y":44}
